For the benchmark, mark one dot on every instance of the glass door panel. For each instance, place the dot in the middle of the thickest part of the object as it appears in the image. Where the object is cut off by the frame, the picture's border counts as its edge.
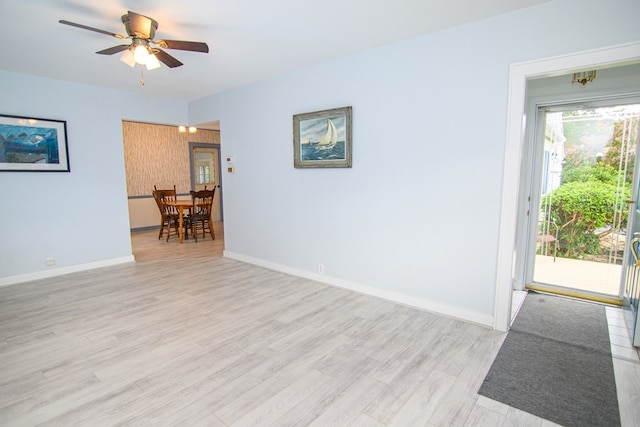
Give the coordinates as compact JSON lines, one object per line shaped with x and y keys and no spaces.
{"x":586,"y":180}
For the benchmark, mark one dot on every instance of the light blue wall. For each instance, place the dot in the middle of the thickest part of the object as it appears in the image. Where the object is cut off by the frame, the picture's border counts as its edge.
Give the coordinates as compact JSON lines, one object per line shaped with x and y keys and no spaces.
{"x":418,"y":213}
{"x":79,"y":217}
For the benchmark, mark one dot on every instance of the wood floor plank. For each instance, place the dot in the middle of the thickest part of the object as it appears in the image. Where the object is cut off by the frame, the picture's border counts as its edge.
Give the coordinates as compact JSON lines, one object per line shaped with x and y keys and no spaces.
{"x":201,"y":390}
{"x":468,"y":381}
{"x":232,"y":411}
{"x":392,"y":365}
{"x":424,"y":401}
{"x":268,"y":412}
{"x":310,"y":351}
{"x":343,"y":411}
{"x":481,"y":416}
{"x":385,"y":407}
{"x":365,"y":421}
{"x":344,"y":369}
{"x":516,"y":417}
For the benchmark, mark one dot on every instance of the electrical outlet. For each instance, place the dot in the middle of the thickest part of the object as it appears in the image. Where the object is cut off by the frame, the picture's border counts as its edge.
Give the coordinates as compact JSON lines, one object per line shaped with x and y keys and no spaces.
{"x":50,"y":261}
{"x":321,"y":268}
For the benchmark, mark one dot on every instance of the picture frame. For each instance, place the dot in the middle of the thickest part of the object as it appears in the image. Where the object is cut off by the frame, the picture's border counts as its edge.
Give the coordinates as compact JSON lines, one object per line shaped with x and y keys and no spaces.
{"x":30,"y":144}
{"x":322,"y":139}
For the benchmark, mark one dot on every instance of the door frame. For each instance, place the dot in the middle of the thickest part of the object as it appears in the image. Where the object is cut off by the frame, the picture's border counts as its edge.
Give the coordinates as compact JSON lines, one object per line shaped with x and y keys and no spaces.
{"x":192,"y":163}
{"x":519,"y":73}
{"x":629,"y":267}
{"x":531,"y":182}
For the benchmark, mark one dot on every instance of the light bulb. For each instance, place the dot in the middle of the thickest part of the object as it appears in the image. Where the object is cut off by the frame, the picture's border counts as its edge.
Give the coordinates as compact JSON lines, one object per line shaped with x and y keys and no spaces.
{"x":141,"y":54}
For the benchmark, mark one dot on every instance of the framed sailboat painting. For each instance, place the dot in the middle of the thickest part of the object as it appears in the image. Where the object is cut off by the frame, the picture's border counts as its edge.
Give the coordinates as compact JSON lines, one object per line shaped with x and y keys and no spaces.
{"x":322,"y":139}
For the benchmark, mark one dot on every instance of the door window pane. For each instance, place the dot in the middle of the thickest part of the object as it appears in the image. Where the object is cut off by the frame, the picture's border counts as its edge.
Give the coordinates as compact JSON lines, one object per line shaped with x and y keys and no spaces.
{"x":203,"y":174}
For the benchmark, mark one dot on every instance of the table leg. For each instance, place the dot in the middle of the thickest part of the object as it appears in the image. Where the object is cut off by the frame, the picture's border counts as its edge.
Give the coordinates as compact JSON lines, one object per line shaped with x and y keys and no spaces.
{"x":180,"y":222}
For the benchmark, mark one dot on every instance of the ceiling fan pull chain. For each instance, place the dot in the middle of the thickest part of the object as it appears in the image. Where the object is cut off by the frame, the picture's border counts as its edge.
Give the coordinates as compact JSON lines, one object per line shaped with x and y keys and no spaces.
{"x":142,"y":75}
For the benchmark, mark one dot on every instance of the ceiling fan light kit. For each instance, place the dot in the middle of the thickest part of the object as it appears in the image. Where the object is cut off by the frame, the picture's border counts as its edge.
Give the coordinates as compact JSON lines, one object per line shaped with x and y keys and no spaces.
{"x":141,"y":31}
{"x":128,"y":58}
{"x":152,"y":62}
{"x":140,"y":55}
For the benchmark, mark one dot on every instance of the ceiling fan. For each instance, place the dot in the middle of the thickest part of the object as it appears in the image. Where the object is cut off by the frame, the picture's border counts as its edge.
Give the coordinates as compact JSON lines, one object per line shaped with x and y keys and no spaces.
{"x":141,"y":30}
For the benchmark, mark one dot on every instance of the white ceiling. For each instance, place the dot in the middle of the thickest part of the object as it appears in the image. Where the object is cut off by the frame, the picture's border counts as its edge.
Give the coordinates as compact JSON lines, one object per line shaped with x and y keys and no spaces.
{"x":248,"y":39}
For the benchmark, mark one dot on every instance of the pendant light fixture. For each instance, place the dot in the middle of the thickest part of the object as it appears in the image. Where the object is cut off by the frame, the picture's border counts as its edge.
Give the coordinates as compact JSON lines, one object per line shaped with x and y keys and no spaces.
{"x":584,"y":77}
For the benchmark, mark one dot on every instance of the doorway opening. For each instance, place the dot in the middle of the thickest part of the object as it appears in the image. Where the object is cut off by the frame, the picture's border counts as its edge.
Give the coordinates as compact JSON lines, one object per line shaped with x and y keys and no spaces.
{"x":585,"y":157}
{"x":206,"y":173}
{"x":513,"y":226}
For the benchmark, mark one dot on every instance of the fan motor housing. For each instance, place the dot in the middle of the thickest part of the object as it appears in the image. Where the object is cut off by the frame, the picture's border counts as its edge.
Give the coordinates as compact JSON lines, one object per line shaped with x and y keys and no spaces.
{"x":152,"y":28}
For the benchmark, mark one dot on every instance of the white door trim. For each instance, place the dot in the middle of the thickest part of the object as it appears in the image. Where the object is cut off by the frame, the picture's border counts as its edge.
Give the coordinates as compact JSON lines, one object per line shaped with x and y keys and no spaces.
{"x":516,"y":108}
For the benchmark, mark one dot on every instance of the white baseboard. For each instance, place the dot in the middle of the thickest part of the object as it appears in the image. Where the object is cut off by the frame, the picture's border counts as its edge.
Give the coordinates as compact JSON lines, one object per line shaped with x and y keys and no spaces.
{"x":420,"y":303}
{"x":13,"y":280}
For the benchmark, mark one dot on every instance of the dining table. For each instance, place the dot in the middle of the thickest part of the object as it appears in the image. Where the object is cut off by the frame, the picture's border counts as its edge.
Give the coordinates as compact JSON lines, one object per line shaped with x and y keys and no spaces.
{"x":181,"y":205}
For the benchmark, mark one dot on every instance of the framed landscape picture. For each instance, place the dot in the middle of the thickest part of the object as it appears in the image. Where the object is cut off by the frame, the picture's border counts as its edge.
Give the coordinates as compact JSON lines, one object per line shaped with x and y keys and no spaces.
{"x":322,"y":139}
{"x":29,"y":144}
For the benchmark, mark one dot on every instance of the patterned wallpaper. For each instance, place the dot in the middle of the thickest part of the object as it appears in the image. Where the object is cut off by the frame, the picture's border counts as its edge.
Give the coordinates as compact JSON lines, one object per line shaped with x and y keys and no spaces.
{"x":159,"y":155}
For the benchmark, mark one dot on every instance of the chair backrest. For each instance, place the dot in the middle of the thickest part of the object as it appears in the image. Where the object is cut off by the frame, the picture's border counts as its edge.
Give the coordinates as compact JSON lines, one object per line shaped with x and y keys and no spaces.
{"x":202,"y":202}
{"x":168,"y":193}
{"x":157,"y":196}
{"x":162,"y":197}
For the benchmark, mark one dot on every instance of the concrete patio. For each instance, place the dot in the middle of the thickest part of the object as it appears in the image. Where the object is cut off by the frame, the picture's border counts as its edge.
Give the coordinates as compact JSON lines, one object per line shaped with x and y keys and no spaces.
{"x":587,"y":276}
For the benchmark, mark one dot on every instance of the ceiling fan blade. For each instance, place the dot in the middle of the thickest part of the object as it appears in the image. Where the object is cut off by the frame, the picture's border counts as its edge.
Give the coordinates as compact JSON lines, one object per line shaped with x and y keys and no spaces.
{"x":141,"y":25}
{"x":114,"y":49}
{"x":97,"y":30}
{"x":166,"y":59}
{"x":183,"y":45}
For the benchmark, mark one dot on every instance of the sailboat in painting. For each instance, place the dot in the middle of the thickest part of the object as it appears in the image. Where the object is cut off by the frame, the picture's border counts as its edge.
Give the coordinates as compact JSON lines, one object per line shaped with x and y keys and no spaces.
{"x":330,"y":137}
{"x":321,"y":140}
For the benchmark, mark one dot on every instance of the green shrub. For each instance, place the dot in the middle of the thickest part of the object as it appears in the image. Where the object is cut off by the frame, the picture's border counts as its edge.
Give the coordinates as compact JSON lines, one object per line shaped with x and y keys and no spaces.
{"x":600,"y":172}
{"x":579,"y":208}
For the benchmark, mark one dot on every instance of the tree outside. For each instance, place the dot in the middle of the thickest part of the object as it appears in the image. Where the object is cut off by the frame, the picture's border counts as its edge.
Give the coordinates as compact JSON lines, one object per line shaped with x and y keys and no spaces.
{"x":589,"y":206}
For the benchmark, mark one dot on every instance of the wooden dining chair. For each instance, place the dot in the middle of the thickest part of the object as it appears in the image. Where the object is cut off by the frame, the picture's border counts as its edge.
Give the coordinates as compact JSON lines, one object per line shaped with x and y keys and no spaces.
{"x":200,"y":218}
{"x":169,"y":216}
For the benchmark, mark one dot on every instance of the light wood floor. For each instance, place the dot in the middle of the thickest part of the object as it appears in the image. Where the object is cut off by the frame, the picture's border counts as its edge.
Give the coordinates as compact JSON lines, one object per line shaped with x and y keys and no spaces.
{"x":186,"y":337}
